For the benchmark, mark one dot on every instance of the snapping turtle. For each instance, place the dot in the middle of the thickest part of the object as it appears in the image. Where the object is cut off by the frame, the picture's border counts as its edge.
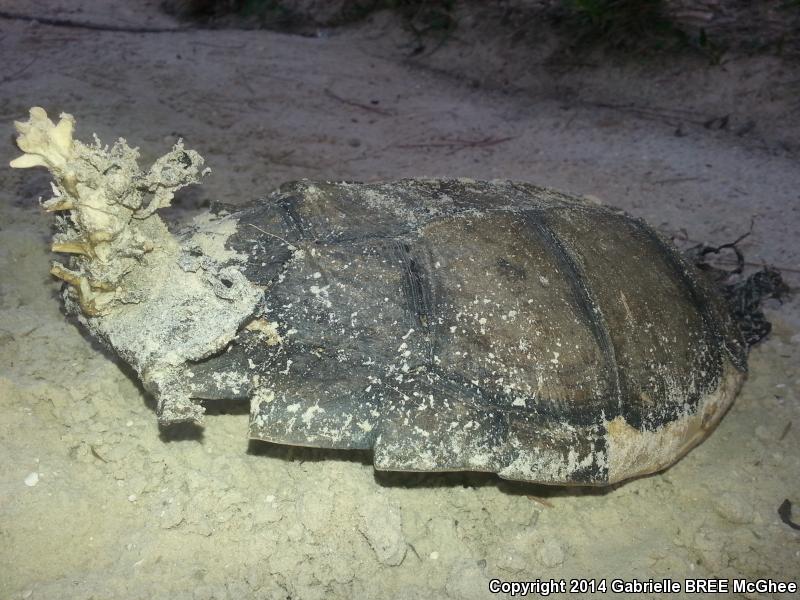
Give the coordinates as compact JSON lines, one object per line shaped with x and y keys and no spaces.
{"x":445,"y":324}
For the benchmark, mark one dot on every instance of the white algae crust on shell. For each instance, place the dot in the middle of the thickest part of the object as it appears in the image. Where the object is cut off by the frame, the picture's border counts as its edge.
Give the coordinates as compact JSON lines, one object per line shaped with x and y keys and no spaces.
{"x":444,"y":324}
{"x":156,"y":300}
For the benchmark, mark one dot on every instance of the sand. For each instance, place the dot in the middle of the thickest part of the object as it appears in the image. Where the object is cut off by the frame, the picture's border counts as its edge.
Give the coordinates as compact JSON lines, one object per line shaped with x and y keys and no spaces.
{"x":96,"y":502}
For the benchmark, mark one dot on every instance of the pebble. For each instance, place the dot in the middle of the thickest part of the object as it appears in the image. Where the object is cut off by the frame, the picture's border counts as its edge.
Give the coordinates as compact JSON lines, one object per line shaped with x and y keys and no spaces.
{"x":267,"y":511}
{"x":593,"y":199}
{"x":382,"y":525}
{"x":32,"y":479}
{"x":171,"y":516}
{"x":551,"y":554}
{"x":764,"y":434}
{"x":511,"y":559}
{"x":466,"y":581}
{"x":733,"y":509}
{"x":315,"y":509}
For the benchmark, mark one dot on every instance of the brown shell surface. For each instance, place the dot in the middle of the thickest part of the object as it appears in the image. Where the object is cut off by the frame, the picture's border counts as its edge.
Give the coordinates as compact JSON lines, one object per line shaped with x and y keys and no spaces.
{"x":488,"y":326}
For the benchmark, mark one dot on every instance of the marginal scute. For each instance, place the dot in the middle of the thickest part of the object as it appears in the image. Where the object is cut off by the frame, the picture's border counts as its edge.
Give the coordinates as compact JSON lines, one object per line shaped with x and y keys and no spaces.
{"x":634,"y":452}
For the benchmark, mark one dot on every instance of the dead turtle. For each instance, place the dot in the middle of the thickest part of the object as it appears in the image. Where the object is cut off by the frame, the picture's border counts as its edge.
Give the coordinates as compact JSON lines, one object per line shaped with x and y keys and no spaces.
{"x":445,"y":324}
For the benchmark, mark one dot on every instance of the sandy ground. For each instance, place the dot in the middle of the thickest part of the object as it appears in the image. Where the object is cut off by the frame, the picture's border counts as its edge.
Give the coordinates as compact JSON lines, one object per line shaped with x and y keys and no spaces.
{"x":121,"y":510}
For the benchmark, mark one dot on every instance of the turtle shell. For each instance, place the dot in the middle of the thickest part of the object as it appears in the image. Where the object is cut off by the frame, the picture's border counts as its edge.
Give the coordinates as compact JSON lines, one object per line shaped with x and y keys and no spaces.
{"x":465,"y":325}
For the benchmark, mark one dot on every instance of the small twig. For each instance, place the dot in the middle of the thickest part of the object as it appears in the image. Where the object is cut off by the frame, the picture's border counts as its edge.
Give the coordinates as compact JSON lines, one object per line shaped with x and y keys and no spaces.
{"x":785,"y":513}
{"x":414,"y":550}
{"x":375,"y":109}
{"x":755,"y":264}
{"x":540,"y":500}
{"x":96,"y":454}
{"x":562,"y":63}
{"x":681,"y":235}
{"x":288,"y":244}
{"x":220,"y":46}
{"x":674,"y":180}
{"x":733,"y":245}
{"x":665,"y":115}
{"x":18,"y":72}
{"x":242,"y":80}
{"x":457,"y":144}
{"x":86,"y":25}
{"x":785,"y":431}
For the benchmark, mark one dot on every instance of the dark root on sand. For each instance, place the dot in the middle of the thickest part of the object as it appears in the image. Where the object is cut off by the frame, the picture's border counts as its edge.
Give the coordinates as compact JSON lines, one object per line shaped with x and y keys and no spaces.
{"x":745,"y":294}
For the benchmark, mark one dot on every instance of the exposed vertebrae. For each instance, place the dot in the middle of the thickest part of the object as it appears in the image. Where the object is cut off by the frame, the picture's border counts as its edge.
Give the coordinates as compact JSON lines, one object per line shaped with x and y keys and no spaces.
{"x":108,"y":222}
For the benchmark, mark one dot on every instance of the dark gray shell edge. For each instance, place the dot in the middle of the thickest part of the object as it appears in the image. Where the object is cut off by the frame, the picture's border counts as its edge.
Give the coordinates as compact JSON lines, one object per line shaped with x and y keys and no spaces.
{"x":488,"y":326}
